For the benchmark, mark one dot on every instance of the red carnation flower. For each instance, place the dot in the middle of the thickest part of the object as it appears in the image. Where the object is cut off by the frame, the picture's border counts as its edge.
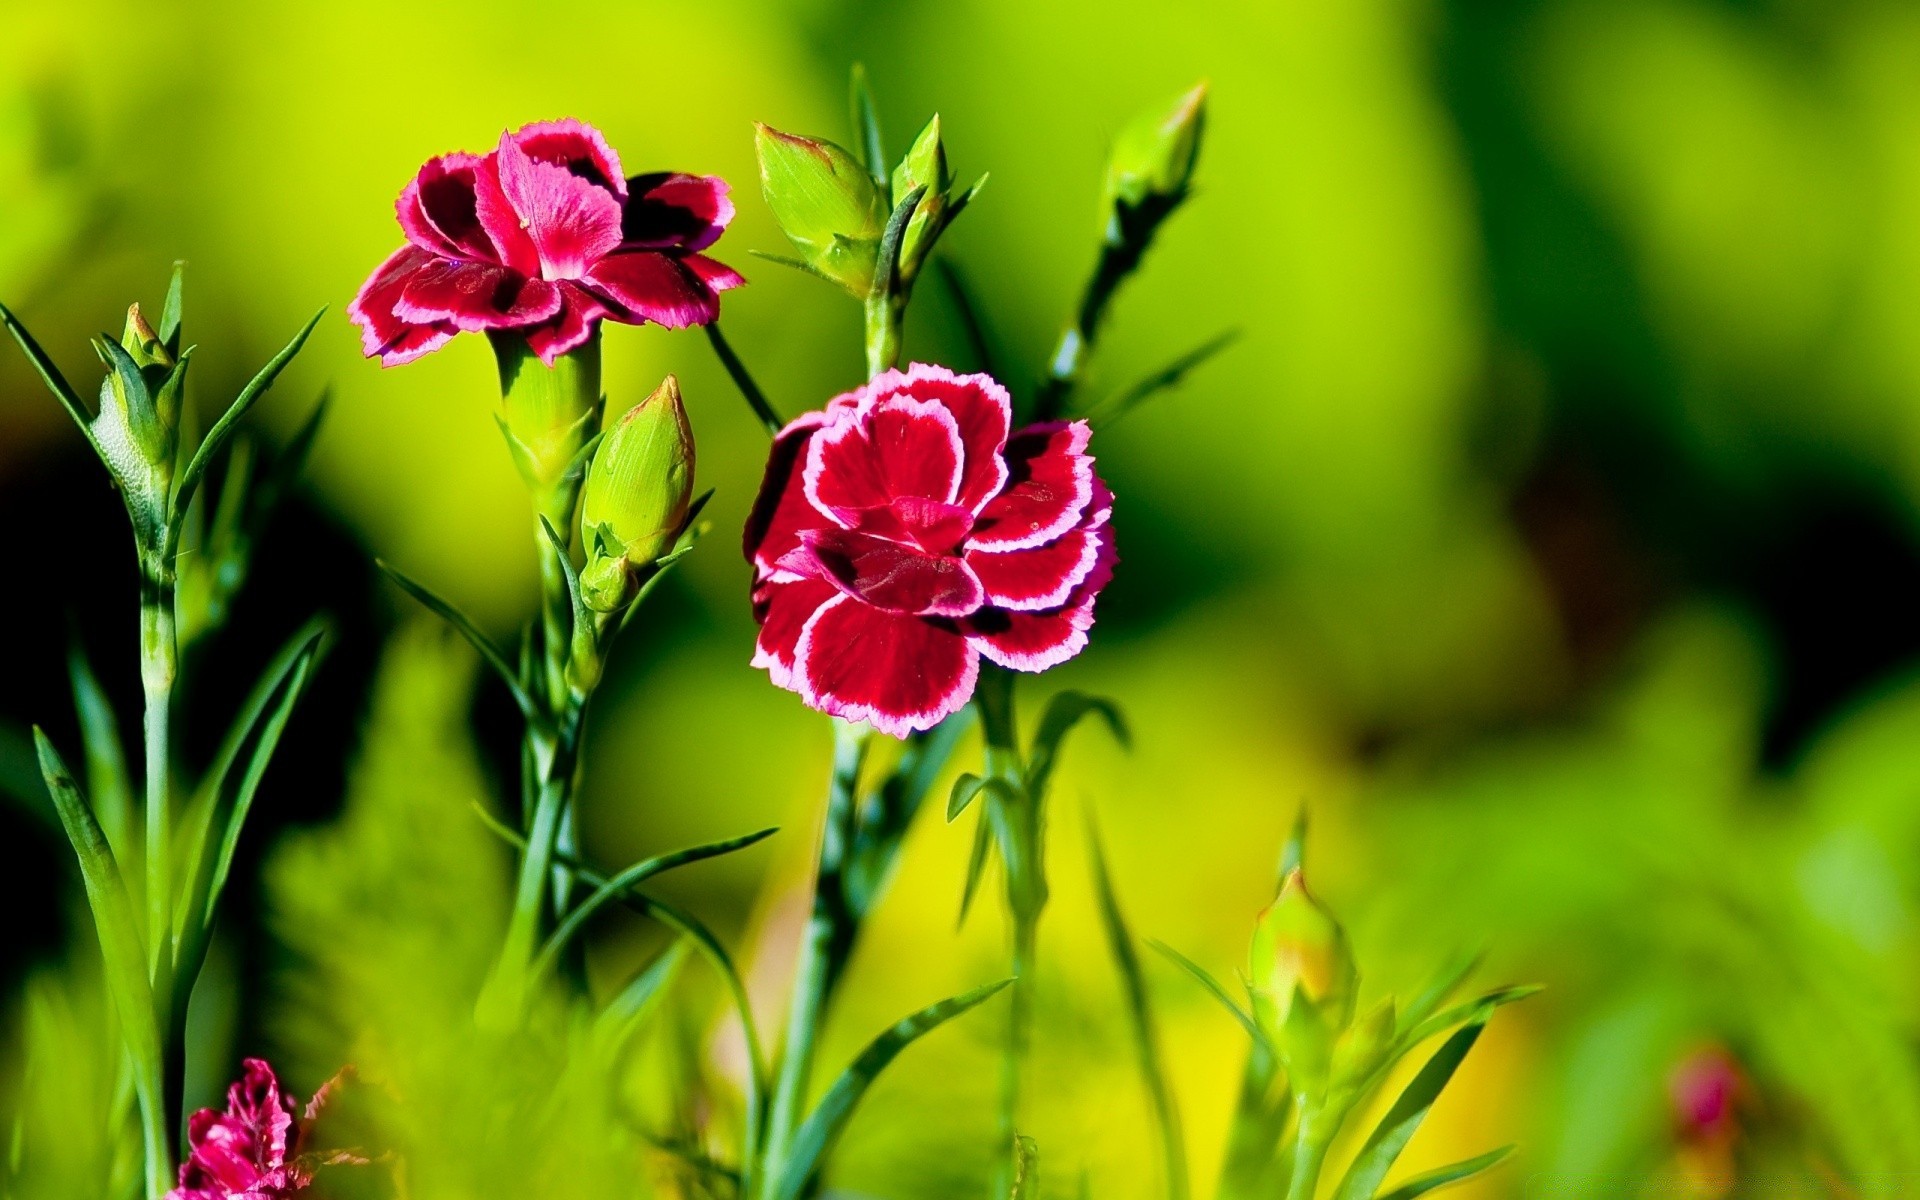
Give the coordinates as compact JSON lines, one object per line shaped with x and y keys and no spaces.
{"x":544,"y":236}
{"x":902,"y":533}
{"x":253,"y":1151}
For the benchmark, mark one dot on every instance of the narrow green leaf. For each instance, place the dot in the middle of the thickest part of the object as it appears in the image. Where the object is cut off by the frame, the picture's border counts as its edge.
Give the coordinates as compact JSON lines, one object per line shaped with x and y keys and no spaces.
{"x":1395,"y":1129}
{"x":1214,"y":989}
{"x":830,"y":1118}
{"x":627,"y":880}
{"x":972,"y":322}
{"x":107,"y":781}
{"x":1166,"y":378}
{"x":1026,"y":1169}
{"x":170,"y":312}
{"x":1063,"y":712}
{"x":964,"y":790}
{"x":1478,"y":1009}
{"x":976,"y":866}
{"x":629,"y":1007}
{"x":1140,"y":1019}
{"x":224,"y":428}
{"x":489,"y":653}
{"x":887,"y":264}
{"x":866,"y":119}
{"x":50,"y":374}
{"x":113,"y":920}
{"x":1443,"y":984}
{"x":582,"y":615}
{"x":1293,"y":852}
{"x":743,"y":378}
{"x":1440,"y":1177}
{"x":959,"y":203}
{"x":782,"y":260}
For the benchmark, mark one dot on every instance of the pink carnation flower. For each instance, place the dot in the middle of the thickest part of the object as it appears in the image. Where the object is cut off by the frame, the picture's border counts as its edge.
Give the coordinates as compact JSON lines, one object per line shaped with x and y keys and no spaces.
{"x":902,"y":533}
{"x":544,"y":236}
{"x":253,"y":1151}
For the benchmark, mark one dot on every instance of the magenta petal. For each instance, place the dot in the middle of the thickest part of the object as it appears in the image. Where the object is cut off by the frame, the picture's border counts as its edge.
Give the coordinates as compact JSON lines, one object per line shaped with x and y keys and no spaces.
{"x":1040,"y":577}
{"x":573,"y":222}
{"x":669,"y":210}
{"x":513,"y":245}
{"x":383,"y":333}
{"x":476,"y":296}
{"x":981,"y":410}
{"x":781,"y":510}
{"x":576,"y":147}
{"x":580,"y":311}
{"x":712,"y":272}
{"x":899,"y":673}
{"x":1026,"y":641}
{"x":439,"y":211}
{"x":881,"y":450}
{"x":783,"y":610}
{"x":1050,"y":483}
{"x":655,"y":287}
{"x":887,"y":574}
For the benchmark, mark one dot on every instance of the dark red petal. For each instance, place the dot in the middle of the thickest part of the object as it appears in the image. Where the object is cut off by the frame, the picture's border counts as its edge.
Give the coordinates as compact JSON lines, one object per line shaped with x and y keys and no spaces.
{"x":899,"y":673}
{"x":383,"y":333}
{"x":783,"y":610}
{"x":880,"y":450}
{"x":578,"y":148}
{"x":438,"y":210}
{"x":580,"y":311}
{"x":887,"y":574}
{"x":1040,"y":577}
{"x":671,"y":210}
{"x":1035,"y":641}
{"x":981,"y":410}
{"x":573,"y":222}
{"x":781,"y":510}
{"x":474,"y":296}
{"x":512,"y":244}
{"x":1050,"y":482}
{"x":654,"y":287}
{"x":712,"y":272}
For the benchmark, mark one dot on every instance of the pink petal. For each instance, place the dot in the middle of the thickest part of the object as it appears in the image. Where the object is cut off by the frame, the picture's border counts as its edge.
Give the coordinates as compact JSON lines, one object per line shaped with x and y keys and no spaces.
{"x":981,"y":409}
{"x":887,"y":574}
{"x":899,"y":673}
{"x":712,"y":272}
{"x":438,"y":212}
{"x":781,"y":510}
{"x":474,"y":296}
{"x":499,"y":218}
{"x":1035,"y":641}
{"x":383,"y":333}
{"x":654,"y":287}
{"x":882,"y":449}
{"x":573,"y":222}
{"x":1050,"y":482}
{"x":580,"y":311}
{"x":669,"y":210}
{"x":783,"y":610}
{"x":578,"y":148}
{"x":1040,"y":577}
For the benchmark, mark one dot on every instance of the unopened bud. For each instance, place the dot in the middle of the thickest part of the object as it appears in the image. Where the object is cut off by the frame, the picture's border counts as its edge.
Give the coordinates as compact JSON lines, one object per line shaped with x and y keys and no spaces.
{"x":826,"y":203}
{"x":1154,"y":156}
{"x":925,"y":166}
{"x":1299,"y":950}
{"x":637,"y":492}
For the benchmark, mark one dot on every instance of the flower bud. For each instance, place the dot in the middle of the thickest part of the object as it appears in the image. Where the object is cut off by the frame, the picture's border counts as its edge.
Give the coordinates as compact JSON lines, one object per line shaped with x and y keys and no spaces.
{"x":636,"y":495}
{"x":924,"y":166}
{"x":826,"y":203}
{"x":1300,"y":951}
{"x":1153,"y":157}
{"x":139,"y":422}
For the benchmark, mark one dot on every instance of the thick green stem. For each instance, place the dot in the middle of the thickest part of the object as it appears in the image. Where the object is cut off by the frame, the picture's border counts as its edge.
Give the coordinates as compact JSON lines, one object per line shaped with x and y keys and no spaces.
{"x":1013,"y":1060}
{"x":159,"y":1094}
{"x":886,"y":314}
{"x":831,"y":929}
{"x":1310,"y":1154}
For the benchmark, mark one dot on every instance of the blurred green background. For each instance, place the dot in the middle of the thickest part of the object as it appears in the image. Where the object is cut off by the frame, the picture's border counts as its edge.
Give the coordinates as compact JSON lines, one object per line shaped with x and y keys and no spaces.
{"x":1550,"y":530}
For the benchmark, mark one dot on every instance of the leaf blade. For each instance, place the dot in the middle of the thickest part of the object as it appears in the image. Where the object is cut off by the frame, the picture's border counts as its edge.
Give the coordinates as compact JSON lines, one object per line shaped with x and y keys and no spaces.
{"x":1390,"y":1136}
{"x":489,"y":653}
{"x":1440,"y":1177}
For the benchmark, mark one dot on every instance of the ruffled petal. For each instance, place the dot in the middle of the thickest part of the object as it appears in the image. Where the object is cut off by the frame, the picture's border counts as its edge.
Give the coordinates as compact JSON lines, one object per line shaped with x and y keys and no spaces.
{"x":439,"y":213}
{"x":1036,"y":641}
{"x":782,"y":511}
{"x":981,"y":410}
{"x":511,"y":241}
{"x":899,"y":673}
{"x":473,"y":296}
{"x":712,"y":272}
{"x":579,"y":312}
{"x":578,"y":148}
{"x":670,"y":210}
{"x":383,"y":333}
{"x":654,"y":287}
{"x":1050,"y":483}
{"x":573,"y":221}
{"x":883,"y":449}
{"x":1040,"y":577}
{"x":783,"y":610}
{"x":886,"y":574}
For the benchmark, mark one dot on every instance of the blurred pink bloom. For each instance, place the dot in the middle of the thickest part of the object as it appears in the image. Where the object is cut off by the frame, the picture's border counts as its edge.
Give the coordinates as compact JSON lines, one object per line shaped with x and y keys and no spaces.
{"x":1705,"y":1089}
{"x":253,"y":1151}
{"x":903,"y":533}
{"x":544,"y":236}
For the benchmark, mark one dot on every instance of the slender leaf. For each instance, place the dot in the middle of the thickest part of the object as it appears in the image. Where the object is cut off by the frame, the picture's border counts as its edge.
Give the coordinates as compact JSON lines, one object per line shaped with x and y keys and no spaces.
{"x":964,"y":790}
{"x":795,"y":263}
{"x":1478,"y":1009}
{"x":1166,"y":378}
{"x":1293,"y":852}
{"x":1444,"y":983}
{"x":888,"y":262}
{"x":1140,"y":1019}
{"x":976,"y":865}
{"x":1214,"y":989}
{"x":50,"y":374}
{"x":170,"y":312}
{"x":1391,"y":1135}
{"x":972,"y":323}
{"x":836,"y":1108}
{"x":866,"y":120}
{"x":108,"y":784}
{"x":1026,"y":1169}
{"x":223,"y":429}
{"x":582,"y":615}
{"x":629,"y":1006}
{"x":489,"y":653}
{"x":1440,"y":1177}
{"x":627,"y":880}
{"x":1063,"y":712}
{"x":743,"y":378}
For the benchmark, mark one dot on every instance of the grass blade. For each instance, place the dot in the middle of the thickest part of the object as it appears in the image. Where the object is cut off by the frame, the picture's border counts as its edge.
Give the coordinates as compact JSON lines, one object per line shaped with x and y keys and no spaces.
{"x":836,"y":1108}
{"x":1391,"y":1135}
{"x":1440,"y":1177}
{"x":489,"y":653}
{"x":743,"y":379}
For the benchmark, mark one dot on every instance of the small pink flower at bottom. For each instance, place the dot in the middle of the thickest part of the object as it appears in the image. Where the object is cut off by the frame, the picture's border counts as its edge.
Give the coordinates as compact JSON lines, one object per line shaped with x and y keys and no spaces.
{"x":254,"y":1150}
{"x":906,"y":531}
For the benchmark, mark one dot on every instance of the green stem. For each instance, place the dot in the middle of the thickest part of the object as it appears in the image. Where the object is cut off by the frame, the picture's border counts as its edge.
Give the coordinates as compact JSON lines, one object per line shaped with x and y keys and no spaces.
{"x":1309,"y":1155}
{"x":823,"y":954}
{"x":159,"y":669}
{"x":886,"y":314}
{"x":1019,"y":1034}
{"x":503,"y":1002}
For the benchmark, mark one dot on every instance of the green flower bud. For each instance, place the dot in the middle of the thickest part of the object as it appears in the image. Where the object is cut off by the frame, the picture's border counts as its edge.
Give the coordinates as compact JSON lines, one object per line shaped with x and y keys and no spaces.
{"x":547,"y":413}
{"x":1153,"y":157}
{"x":826,"y":203}
{"x":636,"y":495}
{"x":924,"y":166}
{"x":138,"y":426}
{"x":1300,"y":952}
